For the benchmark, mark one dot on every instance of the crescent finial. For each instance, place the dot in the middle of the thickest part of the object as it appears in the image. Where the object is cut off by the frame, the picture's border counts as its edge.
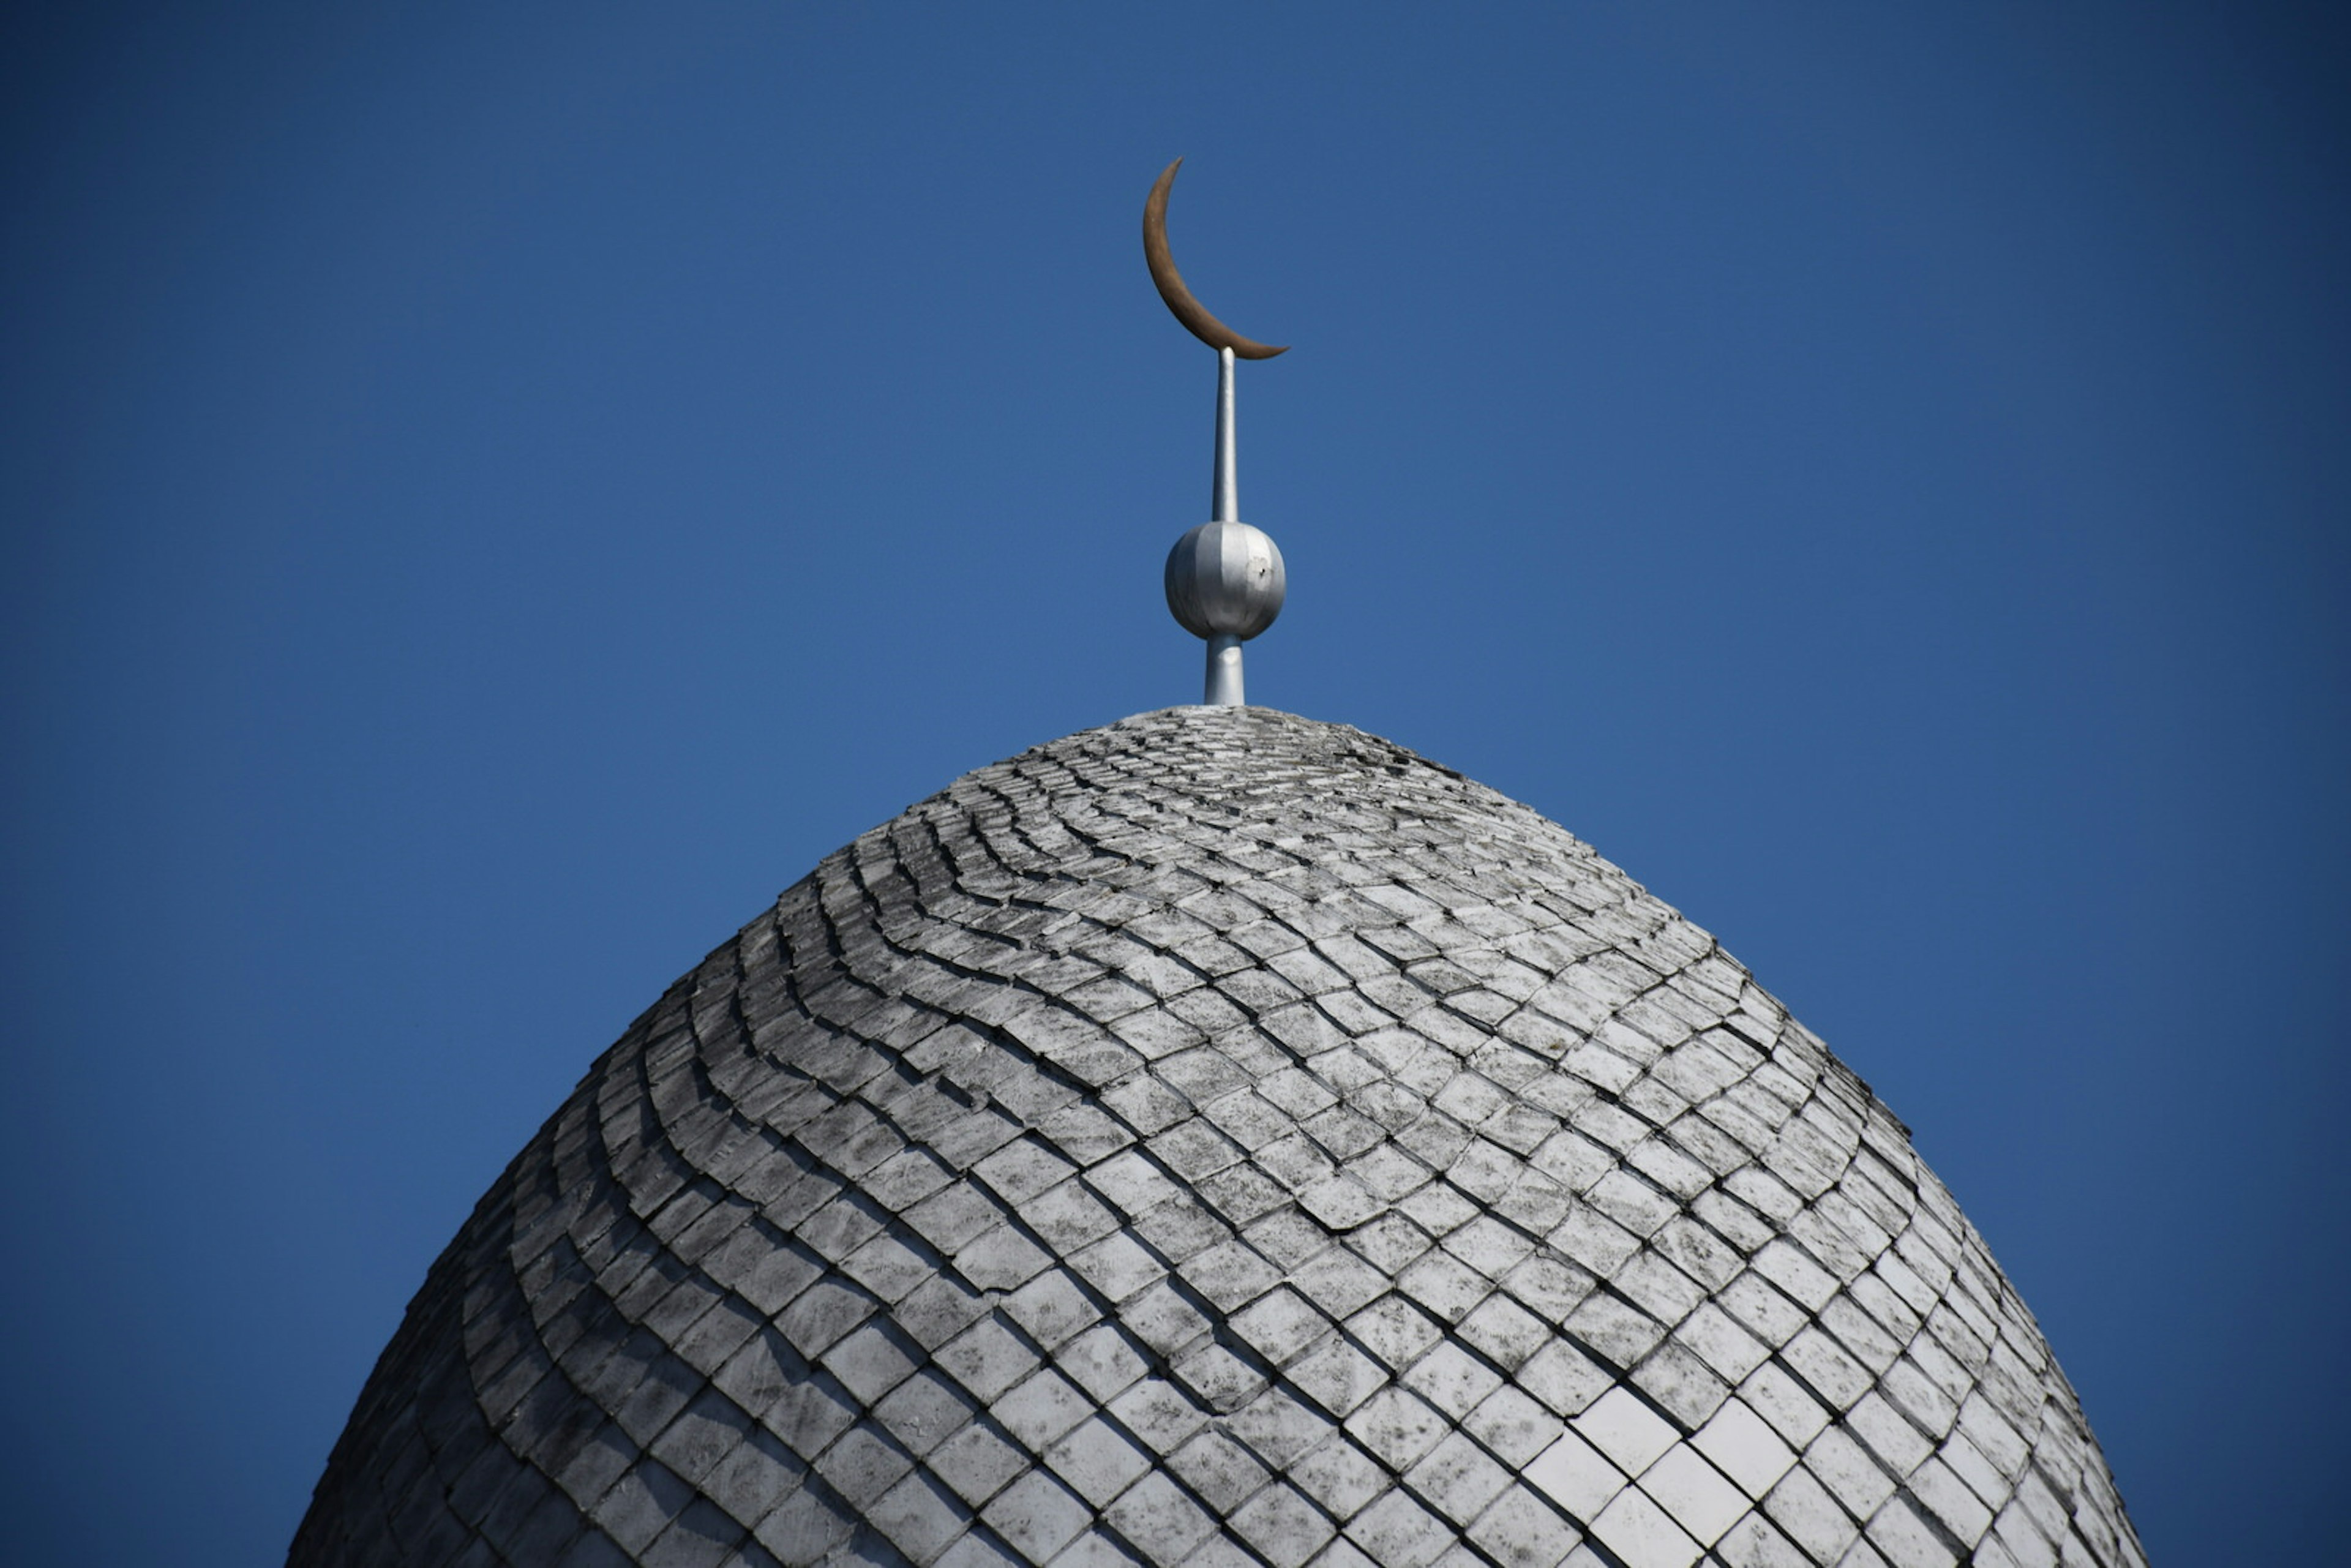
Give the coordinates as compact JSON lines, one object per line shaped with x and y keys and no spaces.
{"x":1188,"y":310}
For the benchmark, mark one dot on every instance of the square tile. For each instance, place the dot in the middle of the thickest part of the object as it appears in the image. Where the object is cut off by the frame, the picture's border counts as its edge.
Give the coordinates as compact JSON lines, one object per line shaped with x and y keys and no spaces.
{"x":1563,"y":1377}
{"x":1281,"y":1526}
{"x":1038,"y":1515}
{"x":1397,"y":1426}
{"x":1155,"y":1515}
{"x":1642,"y":1535}
{"x":986,"y":1358}
{"x":1621,"y":1427}
{"x":1513,"y":1426}
{"x":1520,"y":1533}
{"x":1743,"y":1446}
{"x":1341,"y":1477}
{"x":1397,"y":1533}
{"x":1220,"y":1471}
{"x":1097,"y":1460}
{"x":1051,"y":1308}
{"x":1040,"y":1409}
{"x":1576,"y":1476}
{"x":1159,"y":1412}
{"x":1100,"y":1361}
{"x":1697,"y":1495}
{"x":1457,"y":1478}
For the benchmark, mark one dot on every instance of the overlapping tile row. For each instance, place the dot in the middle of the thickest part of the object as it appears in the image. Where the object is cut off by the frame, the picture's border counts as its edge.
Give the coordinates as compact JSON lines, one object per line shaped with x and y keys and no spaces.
{"x":1218,"y":1138}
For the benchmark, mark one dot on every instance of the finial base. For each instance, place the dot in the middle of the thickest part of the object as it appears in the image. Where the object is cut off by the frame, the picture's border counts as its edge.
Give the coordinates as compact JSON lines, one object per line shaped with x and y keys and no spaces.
{"x":1224,"y":683}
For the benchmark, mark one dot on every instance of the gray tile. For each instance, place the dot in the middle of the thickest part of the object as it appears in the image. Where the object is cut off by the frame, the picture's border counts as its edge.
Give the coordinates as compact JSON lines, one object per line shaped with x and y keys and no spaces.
{"x":1097,"y":1460}
{"x":1230,"y":1275}
{"x":1277,"y":1426}
{"x":1445,"y":1286}
{"x":1504,"y":1332}
{"x":1280,"y":1324}
{"x":1041,"y":1409}
{"x":987,"y":1359}
{"x":1161,"y":1317}
{"x":1159,"y":1413}
{"x":1452,"y":1379}
{"x":1051,"y":1308}
{"x":976,"y":1463}
{"x":1338,"y":1377}
{"x":1001,"y":1259}
{"x":1520,"y":1533}
{"x":919,"y":1516}
{"x":1398,"y":1428}
{"x":862,"y":1466}
{"x":924,"y":1411}
{"x":1218,"y":1378}
{"x":872,"y":1359}
{"x":1164,"y":1522}
{"x":1513,"y":1426}
{"x":1101,"y":1361}
{"x":1341,"y":1477}
{"x":1397,"y":1533}
{"x":1117,"y":1267}
{"x":1037,"y":1515}
{"x":1809,"y":1516}
{"x":1458,"y":1478}
{"x":1219,"y":1471}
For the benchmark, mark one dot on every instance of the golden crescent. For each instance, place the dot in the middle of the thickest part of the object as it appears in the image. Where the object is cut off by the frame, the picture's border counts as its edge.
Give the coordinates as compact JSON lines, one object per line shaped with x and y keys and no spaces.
{"x":1188,"y":310}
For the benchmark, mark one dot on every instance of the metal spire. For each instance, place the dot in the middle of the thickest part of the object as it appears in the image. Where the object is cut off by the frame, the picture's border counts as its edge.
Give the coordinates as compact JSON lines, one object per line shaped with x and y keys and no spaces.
{"x":1225,"y":578}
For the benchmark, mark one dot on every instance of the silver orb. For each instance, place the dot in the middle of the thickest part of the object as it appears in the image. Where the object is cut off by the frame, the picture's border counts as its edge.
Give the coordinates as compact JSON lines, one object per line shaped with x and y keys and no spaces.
{"x":1225,"y":579}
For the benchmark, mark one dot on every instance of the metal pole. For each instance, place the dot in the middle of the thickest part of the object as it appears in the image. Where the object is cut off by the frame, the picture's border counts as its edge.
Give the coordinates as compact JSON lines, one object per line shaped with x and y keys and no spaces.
{"x":1222,"y":688}
{"x":1223,"y":682}
{"x":1225,"y":505}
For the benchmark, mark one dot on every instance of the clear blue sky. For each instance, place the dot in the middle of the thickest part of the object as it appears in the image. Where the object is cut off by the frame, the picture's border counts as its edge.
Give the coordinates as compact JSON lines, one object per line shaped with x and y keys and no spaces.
{"x":492,"y":494}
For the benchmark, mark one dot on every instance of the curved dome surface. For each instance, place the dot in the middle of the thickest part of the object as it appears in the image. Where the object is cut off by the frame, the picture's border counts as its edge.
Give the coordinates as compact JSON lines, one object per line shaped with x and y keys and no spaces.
{"x":1218,"y":1138}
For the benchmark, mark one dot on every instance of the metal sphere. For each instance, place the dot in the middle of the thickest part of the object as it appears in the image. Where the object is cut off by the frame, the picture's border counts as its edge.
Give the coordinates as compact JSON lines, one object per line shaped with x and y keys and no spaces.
{"x":1225,"y":579}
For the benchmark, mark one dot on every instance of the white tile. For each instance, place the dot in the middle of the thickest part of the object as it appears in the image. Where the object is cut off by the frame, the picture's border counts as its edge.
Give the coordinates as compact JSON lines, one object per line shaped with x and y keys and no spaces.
{"x":1934,"y":1484}
{"x":1574,"y":1475}
{"x":1862,"y":1555}
{"x":1753,"y":1542}
{"x":1638,"y":1532}
{"x":1695,"y":1494}
{"x":1899,"y":1533}
{"x":1990,"y":1553}
{"x":1840,"y":1463}
{"x":2025,"y":1544}
{"x":1781,"y":1400}
{"x":1743,"y":1444}
{"x":1627,"y":1431}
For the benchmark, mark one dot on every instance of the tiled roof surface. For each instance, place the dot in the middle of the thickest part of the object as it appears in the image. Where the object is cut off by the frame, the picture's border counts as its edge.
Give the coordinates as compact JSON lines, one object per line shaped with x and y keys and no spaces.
{"x":1218,"y":1138}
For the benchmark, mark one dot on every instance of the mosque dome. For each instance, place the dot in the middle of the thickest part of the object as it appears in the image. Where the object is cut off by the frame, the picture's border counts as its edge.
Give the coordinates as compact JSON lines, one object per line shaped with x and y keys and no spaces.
{"x":1218,"y":1138}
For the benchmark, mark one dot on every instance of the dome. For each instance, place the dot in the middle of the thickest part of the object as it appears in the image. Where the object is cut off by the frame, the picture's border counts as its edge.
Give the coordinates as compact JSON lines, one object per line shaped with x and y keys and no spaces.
{"x":1218,"y":1138}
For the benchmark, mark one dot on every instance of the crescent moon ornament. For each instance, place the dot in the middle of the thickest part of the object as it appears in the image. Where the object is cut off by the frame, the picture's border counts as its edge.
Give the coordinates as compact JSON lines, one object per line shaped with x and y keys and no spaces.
{"x":1188,"y":310}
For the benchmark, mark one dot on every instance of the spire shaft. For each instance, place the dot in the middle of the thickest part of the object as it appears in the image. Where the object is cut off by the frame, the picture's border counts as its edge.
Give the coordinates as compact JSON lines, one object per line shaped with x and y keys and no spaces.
{"x":1225,"y":503}
{"x":1223,"y":687}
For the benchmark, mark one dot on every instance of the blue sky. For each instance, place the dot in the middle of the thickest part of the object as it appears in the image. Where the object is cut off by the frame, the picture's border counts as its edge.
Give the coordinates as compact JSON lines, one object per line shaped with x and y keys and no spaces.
{"x":493,"y":494}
